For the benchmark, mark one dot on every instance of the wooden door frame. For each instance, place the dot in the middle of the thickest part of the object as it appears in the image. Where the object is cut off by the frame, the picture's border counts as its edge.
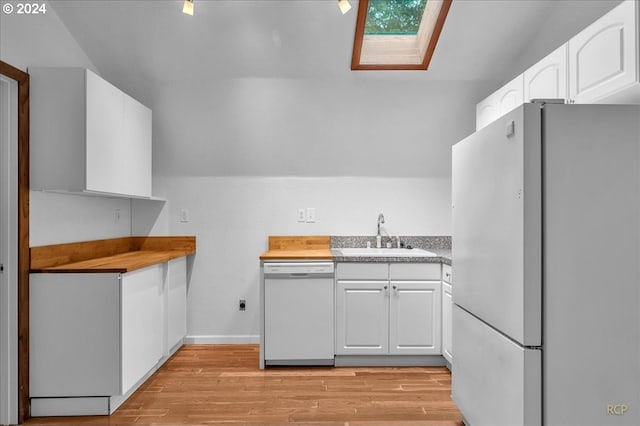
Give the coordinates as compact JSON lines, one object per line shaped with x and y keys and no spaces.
{"x":22,"y":78}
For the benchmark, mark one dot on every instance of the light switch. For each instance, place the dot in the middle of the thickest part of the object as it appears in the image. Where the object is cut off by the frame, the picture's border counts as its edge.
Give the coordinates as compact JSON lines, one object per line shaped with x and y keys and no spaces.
{"x":117,"y":215}
{"x":311,"y":214}
{"x":184,"y":215}
{"x":302,"y":215}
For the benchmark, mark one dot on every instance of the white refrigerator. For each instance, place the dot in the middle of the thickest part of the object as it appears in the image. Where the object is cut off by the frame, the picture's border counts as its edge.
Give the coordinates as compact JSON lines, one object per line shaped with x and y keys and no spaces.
{"x":546,"y":254}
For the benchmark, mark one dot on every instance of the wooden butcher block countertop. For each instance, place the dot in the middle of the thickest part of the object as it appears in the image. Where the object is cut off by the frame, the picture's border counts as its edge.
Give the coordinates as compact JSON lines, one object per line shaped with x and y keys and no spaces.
{"x":298,"y":248}
{"x":117,"y":255}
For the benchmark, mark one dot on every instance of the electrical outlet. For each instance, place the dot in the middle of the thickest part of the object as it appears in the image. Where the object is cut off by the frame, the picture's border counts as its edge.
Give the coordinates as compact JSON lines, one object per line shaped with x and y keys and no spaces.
{"x":184,"y":215}
{"x":242,"y":306}
{"x":302,"y":215}
{"x":311,"y":214}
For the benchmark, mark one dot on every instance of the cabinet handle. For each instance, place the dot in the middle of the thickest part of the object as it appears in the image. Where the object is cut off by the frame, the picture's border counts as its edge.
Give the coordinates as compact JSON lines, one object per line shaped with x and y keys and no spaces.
{"x":395,"y":288}
{"x":386,"y":287}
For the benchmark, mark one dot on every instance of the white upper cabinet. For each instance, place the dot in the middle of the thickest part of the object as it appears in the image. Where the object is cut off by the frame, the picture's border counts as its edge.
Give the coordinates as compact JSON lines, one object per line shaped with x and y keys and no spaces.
{"x":486,"y":112}
{"x":603,"y":58}
{"x":500,"y":102}
{"x":87,"y":135}
{"x":599,"y":65}
{"x":510,"y":95}
{"x":548,"y":78}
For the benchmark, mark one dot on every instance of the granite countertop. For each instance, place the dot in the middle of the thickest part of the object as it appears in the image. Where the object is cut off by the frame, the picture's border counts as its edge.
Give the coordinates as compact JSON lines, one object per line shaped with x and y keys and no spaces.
{"x":440,"y":245}
{"x":442,"y":256}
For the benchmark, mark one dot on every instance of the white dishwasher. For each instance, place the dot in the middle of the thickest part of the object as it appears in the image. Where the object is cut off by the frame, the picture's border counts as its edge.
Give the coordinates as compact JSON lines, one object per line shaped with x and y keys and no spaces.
{"x":298,"y":313}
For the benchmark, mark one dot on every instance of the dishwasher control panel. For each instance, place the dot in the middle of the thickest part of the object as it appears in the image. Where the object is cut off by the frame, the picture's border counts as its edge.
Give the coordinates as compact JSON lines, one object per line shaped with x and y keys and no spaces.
{"x":310,"y":268}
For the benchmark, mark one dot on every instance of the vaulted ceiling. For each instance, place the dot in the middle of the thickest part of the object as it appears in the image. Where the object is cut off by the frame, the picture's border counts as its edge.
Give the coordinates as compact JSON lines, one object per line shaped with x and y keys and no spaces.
{"x":481,"y":40}
{"x":243,"y":82}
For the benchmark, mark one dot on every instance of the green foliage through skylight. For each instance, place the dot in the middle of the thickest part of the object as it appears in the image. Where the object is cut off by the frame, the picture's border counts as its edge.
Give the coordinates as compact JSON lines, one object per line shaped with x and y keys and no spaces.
{"x":394,"y":16}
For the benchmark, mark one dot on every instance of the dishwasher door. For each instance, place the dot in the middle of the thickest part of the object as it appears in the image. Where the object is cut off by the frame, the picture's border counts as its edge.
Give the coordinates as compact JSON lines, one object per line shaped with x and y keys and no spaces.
{"x":298,"y":313}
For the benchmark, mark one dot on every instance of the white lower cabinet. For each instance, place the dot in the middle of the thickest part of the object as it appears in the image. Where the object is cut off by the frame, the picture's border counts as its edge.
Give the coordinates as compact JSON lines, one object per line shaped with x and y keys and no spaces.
{"x":447,"y":313}
{"x":414,"y":321}
{"x":176,"y":303}
{"x":447,"y":322}
{"x":94,"y":337}
{"x":393,"y":310}
{"x":141,"y":323}
{"x":74,"y":335}
{"x":362,"y":318}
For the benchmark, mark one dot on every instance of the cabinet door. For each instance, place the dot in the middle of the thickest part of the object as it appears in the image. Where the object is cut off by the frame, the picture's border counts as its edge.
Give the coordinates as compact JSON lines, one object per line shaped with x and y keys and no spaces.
{"x":104,"y":130}
{"x":486,"y":111}
{"x":414,"y":323}
{"x":141,"y":323}
{"x":362,"y":317}
{"x":135,"y":166}
{"x":74,"y":335}
{"x":503,"y":100}
{"x":511,"y":95}
{"x":447,"y":322}
{"x":603,"y":57}
{"x":176,"y":291}
{"x":548,"y":78}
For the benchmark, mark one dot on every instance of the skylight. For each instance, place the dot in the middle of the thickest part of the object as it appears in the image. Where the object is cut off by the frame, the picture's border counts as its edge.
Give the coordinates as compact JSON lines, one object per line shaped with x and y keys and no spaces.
{"x":394,"y":17}
{"x":397,"y":34}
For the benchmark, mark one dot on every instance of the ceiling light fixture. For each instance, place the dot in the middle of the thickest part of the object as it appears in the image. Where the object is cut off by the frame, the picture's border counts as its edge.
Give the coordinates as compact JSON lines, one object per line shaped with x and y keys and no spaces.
{"x":187,"y":8}
{"x":344,"y":6}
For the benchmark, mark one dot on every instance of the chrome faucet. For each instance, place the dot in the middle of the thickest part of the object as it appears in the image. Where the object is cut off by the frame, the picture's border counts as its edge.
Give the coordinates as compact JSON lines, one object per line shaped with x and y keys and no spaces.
{"x":380,"y":221}
{"x":378,"y":236}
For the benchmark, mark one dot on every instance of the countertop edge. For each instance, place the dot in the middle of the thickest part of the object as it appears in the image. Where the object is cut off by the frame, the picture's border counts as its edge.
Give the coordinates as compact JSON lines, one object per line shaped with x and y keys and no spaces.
{"x":70,"y":269}
{"x":391,"y":259}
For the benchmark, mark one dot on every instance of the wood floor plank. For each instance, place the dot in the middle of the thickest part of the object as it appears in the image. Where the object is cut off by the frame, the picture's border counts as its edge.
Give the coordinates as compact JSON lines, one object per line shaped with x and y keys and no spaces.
{"x":222,"y":385}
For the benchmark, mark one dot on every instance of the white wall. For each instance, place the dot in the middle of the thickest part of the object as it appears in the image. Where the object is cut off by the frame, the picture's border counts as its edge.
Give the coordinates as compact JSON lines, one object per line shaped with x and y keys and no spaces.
{"x":305,"y":127}
{"x":60,"y":218}
{"x":311,"y":127}
{"x":38,"y":41}
{"x":243,"y":154}
{"x":43,"y":40}
{"x":233,"y":216}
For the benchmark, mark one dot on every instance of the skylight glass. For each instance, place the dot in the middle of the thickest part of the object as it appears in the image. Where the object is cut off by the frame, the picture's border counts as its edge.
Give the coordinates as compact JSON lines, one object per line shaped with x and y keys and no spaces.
{"x":394,"y":17}
{"x":397,"y":34}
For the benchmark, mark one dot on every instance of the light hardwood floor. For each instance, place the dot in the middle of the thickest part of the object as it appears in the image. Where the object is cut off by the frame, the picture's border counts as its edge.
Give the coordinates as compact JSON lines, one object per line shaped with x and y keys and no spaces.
{"x":222,"y":385}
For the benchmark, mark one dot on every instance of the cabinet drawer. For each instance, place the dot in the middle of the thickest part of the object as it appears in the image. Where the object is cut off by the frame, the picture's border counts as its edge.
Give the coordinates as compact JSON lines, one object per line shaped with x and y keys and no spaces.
{"x":362,"y":271}
{"x":414,"y":271}
{"x":446,"y":273}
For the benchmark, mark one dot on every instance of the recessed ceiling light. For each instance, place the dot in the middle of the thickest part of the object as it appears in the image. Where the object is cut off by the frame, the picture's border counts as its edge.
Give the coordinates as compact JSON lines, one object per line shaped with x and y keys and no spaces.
{"x":187,"y":8}
{"x":344,"y":6}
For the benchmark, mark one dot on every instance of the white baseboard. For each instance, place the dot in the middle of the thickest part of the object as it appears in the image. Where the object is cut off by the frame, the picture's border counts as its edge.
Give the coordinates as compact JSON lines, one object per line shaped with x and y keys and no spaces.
{"x":243,"y":339}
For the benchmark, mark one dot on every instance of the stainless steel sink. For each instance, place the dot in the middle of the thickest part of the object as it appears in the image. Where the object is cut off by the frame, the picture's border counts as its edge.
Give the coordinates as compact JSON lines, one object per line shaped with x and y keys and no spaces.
{"x":383,"y":252}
